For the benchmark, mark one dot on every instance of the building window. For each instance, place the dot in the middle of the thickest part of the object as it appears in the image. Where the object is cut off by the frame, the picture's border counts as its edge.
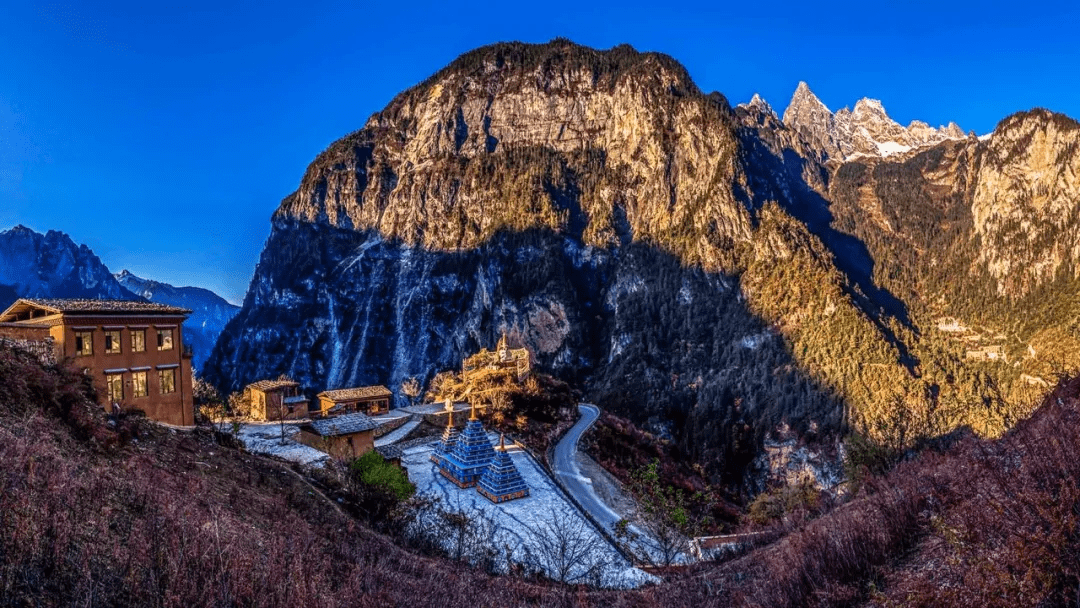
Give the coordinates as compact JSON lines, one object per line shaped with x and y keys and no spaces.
{"x":112,"y":342}
{"x":138,"y":384}
{"x":164,"y":339}
{"x":167,"y":381}
{"x":84,"y":343}
{"x":115,"y":383}
{"x":138,"y":340}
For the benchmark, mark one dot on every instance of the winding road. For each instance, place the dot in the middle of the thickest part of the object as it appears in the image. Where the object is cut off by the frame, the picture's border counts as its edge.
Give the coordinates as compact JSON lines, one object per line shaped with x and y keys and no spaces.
{"x":566,"y":469}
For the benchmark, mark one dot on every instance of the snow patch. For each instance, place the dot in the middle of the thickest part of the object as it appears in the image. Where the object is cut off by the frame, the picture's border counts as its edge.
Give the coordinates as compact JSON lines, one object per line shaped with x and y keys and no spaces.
{"x":266,"y":439}
{"x":513,"y":519}
{"x":887,"y":148}
{"x":753,"y":342}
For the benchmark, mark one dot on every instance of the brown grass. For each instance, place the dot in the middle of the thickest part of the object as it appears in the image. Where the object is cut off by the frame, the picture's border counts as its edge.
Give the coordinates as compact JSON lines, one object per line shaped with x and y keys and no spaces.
{"x":134,"y":515}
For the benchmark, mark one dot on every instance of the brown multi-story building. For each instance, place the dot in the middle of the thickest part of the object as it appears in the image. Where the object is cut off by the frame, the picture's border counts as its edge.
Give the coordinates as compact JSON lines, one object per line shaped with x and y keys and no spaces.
{"x":134,"y":351}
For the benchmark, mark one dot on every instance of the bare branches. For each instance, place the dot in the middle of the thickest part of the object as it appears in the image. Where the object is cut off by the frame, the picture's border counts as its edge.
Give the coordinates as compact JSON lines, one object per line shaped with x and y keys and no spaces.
{"x":567,"y":550}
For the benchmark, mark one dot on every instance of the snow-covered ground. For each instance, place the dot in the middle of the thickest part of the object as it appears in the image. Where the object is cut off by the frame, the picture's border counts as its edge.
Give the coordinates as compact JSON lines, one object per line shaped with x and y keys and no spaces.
{"x":265,"y":438}
{"x":517,"y":519}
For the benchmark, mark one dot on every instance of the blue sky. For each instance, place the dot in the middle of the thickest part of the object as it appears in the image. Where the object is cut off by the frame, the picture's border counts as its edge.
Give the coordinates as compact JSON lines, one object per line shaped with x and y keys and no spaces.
{"x":164,"y":138}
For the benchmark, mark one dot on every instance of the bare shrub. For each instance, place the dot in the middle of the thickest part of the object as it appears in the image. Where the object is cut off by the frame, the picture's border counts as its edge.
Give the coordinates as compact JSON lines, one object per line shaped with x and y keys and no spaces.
{"x":567,"y":549}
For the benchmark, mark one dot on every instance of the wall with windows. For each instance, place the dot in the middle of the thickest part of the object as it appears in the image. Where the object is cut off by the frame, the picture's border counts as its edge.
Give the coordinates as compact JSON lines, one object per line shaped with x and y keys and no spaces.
{"x":137,"y":362}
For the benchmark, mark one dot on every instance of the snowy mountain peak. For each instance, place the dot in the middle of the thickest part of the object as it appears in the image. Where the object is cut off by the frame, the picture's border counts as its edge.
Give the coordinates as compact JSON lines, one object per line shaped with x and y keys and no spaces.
{"x":869,"y":106}
{"x":866,"y":130}
{"x":804,"y":105}
{"x":757,"y":103}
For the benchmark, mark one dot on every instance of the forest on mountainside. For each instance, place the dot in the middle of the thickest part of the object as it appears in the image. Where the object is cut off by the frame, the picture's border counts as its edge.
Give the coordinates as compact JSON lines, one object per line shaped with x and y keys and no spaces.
{"x":700,"y":269}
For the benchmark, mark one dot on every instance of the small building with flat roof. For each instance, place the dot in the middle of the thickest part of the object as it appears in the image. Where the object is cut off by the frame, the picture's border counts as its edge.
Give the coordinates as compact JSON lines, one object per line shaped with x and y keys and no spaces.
{"x":344,"y":437}
{"x":367,"y":399}
{"x":276,"y":400}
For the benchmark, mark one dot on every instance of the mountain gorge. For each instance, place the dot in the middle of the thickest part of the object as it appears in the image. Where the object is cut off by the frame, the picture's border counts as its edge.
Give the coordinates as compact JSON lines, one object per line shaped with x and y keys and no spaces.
{"x":716,"y":273}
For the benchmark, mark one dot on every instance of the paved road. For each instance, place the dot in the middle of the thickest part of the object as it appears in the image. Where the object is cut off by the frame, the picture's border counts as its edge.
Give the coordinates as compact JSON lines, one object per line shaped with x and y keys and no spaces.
{"x":566,"y":469}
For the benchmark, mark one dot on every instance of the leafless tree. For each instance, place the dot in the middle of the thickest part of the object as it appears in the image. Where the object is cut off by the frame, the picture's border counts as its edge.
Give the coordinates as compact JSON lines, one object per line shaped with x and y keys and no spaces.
{"x":661,"y":542}
{"x":567,"y":549}
{"x":411,"y":389}
{"x":461,"y":533}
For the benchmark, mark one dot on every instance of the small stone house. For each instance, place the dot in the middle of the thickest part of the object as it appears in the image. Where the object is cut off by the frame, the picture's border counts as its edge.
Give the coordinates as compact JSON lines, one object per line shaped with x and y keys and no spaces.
{"x":367,"y":399}
{"x":276,"y":400}
{"x":344,"y":437}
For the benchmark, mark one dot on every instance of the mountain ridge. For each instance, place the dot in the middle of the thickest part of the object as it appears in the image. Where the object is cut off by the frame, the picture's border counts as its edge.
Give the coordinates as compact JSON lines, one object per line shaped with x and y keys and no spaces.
{"x":865,"y":130}
{"x":33,"y":264}
{"x":559,"y":193}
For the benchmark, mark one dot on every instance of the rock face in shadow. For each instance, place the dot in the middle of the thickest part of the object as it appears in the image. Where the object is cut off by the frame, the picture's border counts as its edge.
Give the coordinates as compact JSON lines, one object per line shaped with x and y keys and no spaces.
{"x":713,"y":272}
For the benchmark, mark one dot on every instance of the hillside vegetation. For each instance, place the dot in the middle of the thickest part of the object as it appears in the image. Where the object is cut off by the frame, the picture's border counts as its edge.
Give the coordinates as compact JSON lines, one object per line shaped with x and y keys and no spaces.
{"x":125,"y":513}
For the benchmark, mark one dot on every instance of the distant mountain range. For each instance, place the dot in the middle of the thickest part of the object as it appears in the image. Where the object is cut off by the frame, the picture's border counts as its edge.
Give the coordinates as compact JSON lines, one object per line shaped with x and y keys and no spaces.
{"x":51,"y":265}
{"x":209,"y":311}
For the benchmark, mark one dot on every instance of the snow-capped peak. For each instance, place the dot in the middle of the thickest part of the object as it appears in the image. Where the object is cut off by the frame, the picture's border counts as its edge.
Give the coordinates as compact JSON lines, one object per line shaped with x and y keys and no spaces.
{"x":758,"y":103}
{"x":866,"y":130}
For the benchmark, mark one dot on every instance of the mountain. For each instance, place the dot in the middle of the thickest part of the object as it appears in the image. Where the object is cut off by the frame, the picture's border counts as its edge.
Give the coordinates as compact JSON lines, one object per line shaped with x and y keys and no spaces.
{"x":209,"y":311}
{"x":725,"y":277}
{"x":865,"y":131}
{"x":51,"y":265}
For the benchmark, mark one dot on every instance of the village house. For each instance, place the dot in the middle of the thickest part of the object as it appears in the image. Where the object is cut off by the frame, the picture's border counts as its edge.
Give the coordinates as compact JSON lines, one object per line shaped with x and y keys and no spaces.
{"x":344,"y":437}
{"x":133,"y":351}
{"x":276,"y":400}
{"x":367,"y":399}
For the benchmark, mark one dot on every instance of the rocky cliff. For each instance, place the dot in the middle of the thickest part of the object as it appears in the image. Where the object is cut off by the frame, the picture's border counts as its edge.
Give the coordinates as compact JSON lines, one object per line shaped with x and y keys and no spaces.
{"x":865,"y":131}
{"x":713,"y":271}
{"x":51,"y":265}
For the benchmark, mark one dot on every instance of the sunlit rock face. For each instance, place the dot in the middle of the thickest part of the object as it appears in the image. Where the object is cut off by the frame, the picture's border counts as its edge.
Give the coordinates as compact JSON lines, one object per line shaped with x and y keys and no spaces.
{"x":865,"y":131}
{"x":711,"y":270}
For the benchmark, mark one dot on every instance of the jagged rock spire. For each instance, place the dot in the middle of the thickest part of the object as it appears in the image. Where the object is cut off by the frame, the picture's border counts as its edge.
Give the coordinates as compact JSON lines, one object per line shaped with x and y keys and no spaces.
{"x":866,"y":130}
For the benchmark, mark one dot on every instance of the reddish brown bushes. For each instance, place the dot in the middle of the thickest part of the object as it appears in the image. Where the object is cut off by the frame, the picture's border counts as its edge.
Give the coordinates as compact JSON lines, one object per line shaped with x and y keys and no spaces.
{"x":177,"y":520}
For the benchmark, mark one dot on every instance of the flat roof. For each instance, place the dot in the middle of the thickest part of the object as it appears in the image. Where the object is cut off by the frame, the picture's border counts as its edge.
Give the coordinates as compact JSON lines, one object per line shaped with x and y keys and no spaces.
{"x":270,"y":385}
{"x":91,"y":307}
{"x":343,"y":425}
{"x":360,"y":392}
